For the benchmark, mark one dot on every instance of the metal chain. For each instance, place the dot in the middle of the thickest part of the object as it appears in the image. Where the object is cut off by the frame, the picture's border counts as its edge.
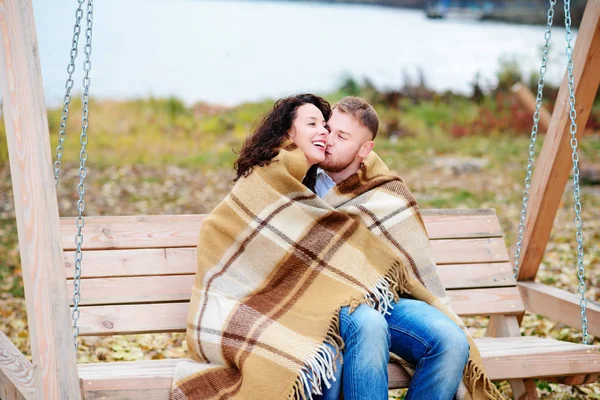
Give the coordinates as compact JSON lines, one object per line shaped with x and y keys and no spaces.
{"x":87,"y":66}
{"x":68,"y":86}
{"x":534,"y":132}
{"x":575,"y":158}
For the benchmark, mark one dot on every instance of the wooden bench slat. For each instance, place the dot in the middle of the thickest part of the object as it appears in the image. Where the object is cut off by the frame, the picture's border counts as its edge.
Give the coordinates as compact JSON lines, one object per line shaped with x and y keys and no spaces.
{"x":101,"y":234}
{"x":469,"y":251}
{"x":463,"y":276}
{"x":137,"y":289}
{"x":502,"y":358}
{"x":171,"y":317}
{"x":151,"y":231}
{"x":460,"y":224}
{"x":135,"y":390}
{"x":175,"y":288}
{"x":490,"y":301}
{"x":100,"y":275}
{"x":148,"y":379}
{"x":133,"y":262}
{"x":172,"y":261}
{"x":131,"y":319}
{"x":524,"y":358}
{"x":532,"y":357}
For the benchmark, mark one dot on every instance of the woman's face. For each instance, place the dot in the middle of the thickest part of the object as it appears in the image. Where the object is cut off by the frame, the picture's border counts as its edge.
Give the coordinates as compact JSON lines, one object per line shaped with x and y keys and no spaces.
{"x":309,"y":132}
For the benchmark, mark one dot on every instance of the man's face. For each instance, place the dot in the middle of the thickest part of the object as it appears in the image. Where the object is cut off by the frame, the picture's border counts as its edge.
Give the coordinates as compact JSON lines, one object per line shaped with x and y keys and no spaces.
{"x":349,"y":142}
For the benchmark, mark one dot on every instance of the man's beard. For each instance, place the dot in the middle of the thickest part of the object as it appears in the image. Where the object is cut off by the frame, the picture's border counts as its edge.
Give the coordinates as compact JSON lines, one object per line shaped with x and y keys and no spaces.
{"x":329,"y":165}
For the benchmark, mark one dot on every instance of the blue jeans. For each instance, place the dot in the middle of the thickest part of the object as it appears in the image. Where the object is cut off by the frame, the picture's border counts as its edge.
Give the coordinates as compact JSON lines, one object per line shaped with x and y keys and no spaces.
{"x":415,"y":331}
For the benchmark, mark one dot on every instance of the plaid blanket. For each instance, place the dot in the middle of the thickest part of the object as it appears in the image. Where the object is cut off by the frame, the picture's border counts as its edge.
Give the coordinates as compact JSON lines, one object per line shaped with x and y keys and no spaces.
{"x":276,"y":264}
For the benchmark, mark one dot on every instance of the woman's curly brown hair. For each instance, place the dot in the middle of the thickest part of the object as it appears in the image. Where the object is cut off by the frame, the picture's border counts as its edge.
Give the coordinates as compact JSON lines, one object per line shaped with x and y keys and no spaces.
{"x":264,"y":143}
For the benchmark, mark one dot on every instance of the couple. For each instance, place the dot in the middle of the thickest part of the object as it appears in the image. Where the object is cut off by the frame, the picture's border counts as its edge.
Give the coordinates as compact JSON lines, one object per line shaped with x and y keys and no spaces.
{"x":301,"y":296}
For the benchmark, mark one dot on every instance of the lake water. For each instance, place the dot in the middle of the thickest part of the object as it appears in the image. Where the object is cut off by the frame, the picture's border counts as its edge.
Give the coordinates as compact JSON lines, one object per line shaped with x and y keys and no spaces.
{"x":230,"y":51}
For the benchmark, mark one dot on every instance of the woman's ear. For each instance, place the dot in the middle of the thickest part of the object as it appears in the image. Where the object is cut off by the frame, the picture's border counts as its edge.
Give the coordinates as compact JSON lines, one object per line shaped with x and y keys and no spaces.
{"x":292,"y":132}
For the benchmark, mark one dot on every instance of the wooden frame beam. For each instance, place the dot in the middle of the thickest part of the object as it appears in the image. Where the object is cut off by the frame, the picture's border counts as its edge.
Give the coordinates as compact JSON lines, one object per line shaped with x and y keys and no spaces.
{"x":16,"y":372}
{"x":8,"y":390}
{"x":553,"y":165}
{"x":559,"y":306}
{"x":36,"y":206}
{"x":528,"y":101}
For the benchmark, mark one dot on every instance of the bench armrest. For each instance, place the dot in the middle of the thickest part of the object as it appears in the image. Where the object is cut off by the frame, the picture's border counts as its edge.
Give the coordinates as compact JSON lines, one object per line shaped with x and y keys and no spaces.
{"x":559,"y":305}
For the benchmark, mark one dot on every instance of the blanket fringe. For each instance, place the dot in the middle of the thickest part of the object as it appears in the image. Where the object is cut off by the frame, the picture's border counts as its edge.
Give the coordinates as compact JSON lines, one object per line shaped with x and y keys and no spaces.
{"x":475,"y":376}
{"x":319,"y":369}
{"x":389,"y":288}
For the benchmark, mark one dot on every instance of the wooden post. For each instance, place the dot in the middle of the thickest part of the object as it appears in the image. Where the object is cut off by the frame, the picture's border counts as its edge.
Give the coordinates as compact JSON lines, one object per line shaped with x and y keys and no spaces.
{"x":528,"y":101}
{"x":508,"y":326}
{"x":36,"y":207}
{"x":554,"y":164}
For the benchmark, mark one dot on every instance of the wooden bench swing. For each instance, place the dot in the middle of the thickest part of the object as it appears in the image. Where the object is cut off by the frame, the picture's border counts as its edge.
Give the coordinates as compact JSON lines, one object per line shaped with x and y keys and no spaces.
{"x":139,"y":269}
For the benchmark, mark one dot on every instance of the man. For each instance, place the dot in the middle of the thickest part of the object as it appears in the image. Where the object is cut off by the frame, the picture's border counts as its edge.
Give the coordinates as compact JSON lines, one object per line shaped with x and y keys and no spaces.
{"x":413,"y":330}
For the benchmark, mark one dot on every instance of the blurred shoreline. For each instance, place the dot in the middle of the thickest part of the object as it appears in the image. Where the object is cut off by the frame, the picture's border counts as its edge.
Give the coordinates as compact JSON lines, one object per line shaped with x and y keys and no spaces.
{"x":516,"y":12}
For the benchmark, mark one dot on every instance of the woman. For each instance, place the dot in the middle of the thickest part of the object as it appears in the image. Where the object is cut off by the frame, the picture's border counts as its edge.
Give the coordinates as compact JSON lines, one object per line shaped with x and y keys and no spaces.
{"x":302,"y":118}
{"x":275,"y":266}
{"x":296,"y":124}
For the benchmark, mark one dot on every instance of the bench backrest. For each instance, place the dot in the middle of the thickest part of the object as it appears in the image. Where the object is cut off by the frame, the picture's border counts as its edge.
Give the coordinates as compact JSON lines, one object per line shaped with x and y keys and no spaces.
{"x":138,"y":271}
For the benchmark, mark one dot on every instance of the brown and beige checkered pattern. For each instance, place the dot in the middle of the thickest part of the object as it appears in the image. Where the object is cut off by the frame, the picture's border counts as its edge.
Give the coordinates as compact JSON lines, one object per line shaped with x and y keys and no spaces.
{"x":276,"y":264}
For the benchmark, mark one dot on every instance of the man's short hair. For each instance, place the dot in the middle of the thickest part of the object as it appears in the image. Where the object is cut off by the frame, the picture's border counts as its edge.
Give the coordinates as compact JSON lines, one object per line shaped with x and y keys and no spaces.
{"x":361,"y":110}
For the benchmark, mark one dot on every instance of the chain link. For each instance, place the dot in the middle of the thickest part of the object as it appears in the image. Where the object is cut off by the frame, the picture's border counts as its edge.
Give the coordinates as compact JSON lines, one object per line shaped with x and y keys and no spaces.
{"x":68,"y":86}
{"x":575,"y":158}
{"x":83,"y":139}
{"x":534,"y":132}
